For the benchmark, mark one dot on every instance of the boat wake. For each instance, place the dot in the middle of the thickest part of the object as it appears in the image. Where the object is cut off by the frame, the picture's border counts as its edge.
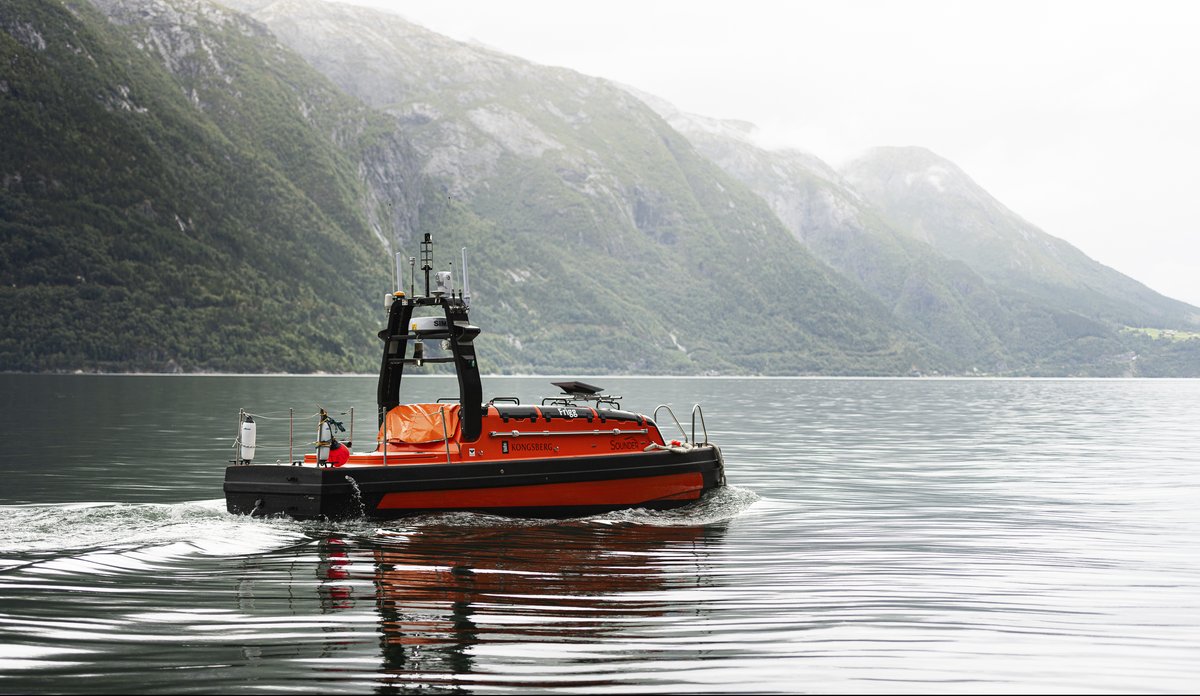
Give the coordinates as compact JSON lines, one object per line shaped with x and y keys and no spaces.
{"x":717,"y":506}
{"x":113,"y":537}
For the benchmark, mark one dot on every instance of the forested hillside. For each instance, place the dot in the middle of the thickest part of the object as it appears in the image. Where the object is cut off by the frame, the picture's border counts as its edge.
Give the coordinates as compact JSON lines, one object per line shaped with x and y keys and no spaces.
{"x":152,"y":220}
{"x":614,"y":245}
{"x":196,"y":186}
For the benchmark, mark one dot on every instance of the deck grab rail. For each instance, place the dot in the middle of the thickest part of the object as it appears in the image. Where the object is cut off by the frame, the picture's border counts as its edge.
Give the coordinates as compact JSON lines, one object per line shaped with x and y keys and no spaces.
{"x":696,"y":411}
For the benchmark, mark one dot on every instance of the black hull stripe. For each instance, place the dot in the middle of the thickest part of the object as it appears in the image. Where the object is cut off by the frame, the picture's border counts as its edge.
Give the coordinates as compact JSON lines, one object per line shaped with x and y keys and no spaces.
{"x":308,"y":492}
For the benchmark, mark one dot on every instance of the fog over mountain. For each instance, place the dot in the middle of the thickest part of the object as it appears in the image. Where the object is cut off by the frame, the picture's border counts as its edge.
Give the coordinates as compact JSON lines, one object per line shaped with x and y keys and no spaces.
{"x":250,"y":167}
{"x":1083,"y":129}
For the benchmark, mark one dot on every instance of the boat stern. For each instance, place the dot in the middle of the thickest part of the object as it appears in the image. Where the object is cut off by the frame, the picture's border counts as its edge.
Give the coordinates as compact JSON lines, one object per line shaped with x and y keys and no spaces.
{"x":299,"y":492}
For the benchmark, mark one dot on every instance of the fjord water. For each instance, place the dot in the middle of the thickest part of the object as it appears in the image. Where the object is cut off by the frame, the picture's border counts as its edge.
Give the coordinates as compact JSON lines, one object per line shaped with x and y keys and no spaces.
{"x":876,"y":536}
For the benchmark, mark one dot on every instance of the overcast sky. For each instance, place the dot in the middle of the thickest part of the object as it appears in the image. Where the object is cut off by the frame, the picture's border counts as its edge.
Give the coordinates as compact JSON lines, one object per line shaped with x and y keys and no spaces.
{"x":1082,"y":117}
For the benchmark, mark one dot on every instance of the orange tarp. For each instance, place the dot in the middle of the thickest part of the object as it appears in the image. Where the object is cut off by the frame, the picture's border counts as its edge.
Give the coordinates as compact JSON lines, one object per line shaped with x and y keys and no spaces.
{"x":418,"y":423}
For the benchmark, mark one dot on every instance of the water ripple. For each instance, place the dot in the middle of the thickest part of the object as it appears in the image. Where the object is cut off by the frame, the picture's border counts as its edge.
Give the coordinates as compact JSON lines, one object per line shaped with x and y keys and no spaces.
{"x":876,"y":536}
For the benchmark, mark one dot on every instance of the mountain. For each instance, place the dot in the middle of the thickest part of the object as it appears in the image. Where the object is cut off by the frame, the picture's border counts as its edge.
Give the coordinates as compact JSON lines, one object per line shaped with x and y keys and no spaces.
{"x":1072,"y":314}
{"x":603,"y":235}
{"x":954,"y":310}
{"x":190,"y":194}
{"x":929,"y":198}
{"x":980,"y":305}
{"x":179,"y":193}
{"x":192,"y":186}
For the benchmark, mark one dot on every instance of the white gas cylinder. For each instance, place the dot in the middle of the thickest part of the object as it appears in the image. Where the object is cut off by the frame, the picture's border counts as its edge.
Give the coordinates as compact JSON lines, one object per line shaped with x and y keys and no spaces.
{"x":248,"y":437}
{"x":324,"y":437}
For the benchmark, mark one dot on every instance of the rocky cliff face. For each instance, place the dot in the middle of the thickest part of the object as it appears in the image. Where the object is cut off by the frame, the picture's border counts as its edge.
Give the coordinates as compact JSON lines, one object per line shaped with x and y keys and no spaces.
{"x":220,"y":57}
{"x":600,"y":192}
{"x":944,"y":302}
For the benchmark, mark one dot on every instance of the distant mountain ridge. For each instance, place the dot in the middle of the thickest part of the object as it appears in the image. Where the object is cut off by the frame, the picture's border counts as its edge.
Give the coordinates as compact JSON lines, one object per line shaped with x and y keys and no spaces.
{"x":952,"y":263}
{"x":259,"y":170}
{"x":931,"y":199}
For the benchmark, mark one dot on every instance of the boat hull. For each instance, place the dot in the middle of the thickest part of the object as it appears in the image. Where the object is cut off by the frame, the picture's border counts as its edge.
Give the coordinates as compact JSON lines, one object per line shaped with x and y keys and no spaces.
{"x":552,"y":487}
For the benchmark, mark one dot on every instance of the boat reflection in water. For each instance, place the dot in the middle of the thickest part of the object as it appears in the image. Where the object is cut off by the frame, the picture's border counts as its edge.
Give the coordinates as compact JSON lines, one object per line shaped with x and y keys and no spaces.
{"x":451,"y":596}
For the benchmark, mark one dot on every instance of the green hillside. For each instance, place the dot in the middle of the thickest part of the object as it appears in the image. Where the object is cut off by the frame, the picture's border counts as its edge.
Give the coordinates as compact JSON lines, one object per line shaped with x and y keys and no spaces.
{"x":187,"y":188}
{"x":145,"y":230}
{"x":188,"y":194}
{"x":617,"y":246}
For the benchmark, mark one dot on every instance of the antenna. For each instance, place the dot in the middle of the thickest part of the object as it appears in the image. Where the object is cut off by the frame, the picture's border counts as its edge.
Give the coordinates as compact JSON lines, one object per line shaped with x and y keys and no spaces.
{"x":466,"y":293}
{"x":412,"y":276}
{"x":399,"y":272}
{"x":427,"y":259}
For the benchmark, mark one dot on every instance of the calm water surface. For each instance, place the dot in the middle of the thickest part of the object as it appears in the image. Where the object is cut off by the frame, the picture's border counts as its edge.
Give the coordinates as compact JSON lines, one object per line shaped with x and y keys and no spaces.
{"x":877,"y":536}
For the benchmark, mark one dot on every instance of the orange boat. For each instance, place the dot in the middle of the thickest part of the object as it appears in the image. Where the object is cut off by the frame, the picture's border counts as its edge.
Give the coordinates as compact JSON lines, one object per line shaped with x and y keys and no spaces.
{"x":576,"y":453}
